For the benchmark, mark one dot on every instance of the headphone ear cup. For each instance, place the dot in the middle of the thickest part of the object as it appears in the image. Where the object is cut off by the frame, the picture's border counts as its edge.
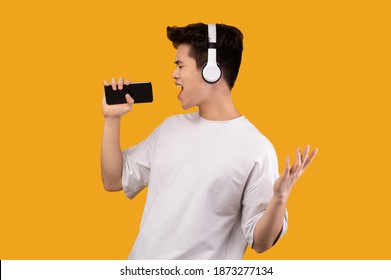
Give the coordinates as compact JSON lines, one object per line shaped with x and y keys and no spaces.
{"x":211,"y":73}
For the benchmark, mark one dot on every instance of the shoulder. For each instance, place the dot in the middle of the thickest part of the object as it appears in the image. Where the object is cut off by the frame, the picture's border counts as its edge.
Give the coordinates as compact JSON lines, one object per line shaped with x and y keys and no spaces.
{"x":256,"y":143}
{"x":255,"y":136}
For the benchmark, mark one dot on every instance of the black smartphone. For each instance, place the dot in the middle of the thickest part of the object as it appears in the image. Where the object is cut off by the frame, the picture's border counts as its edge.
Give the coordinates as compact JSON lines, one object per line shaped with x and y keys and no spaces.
{"x":140,"y":92}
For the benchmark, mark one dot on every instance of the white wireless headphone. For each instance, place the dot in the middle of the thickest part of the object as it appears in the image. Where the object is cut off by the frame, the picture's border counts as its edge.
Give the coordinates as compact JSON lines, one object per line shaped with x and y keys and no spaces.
{"x":211,"y":71}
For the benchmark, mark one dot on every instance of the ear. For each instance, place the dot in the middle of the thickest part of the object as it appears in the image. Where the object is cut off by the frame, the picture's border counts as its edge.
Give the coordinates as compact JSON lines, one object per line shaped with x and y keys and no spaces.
{"x":211,"y":71}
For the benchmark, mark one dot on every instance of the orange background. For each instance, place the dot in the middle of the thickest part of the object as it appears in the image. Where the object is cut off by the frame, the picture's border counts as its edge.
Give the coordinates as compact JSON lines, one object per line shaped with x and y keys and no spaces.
{"x":313,"y":72}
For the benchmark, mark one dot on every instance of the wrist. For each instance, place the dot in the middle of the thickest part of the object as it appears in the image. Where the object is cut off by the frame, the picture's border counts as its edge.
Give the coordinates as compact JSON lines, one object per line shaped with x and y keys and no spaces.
{"x":112,"y":120}
{"x":281,"y":198}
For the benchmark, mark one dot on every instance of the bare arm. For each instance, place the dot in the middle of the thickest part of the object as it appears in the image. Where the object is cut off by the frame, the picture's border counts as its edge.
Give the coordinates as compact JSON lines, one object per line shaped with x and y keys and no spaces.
{"x":270,"y":224}
{"x":111,"y":154}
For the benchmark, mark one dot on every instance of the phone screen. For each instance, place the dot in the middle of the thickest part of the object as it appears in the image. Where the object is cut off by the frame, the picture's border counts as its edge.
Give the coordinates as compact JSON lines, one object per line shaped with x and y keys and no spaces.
{"x":140,"y":92}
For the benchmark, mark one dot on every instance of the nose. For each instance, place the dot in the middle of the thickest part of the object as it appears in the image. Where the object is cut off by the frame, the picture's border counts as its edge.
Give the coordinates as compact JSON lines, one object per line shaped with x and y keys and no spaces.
{"x":175,"y":74}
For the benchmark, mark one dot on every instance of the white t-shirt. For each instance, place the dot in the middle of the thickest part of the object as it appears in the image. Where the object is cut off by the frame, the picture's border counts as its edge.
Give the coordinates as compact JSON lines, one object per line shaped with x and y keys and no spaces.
{"x":209,"y":182}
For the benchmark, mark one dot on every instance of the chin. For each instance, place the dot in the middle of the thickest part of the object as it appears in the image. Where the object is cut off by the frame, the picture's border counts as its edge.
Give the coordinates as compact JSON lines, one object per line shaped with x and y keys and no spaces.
{"x":186,"y":106}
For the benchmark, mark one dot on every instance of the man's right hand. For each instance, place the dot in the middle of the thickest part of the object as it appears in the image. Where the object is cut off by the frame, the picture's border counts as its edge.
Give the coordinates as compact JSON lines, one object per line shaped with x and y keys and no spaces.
{"x":118,"y":110}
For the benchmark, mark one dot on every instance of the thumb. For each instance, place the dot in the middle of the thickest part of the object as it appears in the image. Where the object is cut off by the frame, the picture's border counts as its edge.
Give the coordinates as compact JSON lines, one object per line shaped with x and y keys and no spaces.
{"x":129,"y":99}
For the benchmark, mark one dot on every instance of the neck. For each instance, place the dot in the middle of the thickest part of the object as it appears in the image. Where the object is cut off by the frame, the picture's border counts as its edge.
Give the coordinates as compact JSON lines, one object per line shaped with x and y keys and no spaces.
{"x":219,"y":108}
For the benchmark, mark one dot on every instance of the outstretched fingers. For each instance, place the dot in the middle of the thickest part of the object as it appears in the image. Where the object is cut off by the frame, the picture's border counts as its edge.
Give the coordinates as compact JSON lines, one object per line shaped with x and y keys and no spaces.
{"x":310,"y":158}
{"x":287,"y":167}
{"x":297,"y":163}
{"x":301,"y":162}
{"x":304,"y":156}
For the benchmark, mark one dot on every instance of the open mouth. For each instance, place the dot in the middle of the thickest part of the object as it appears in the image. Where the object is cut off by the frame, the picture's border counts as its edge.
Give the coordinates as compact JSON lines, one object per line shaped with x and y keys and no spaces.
{"x":180,"y":86}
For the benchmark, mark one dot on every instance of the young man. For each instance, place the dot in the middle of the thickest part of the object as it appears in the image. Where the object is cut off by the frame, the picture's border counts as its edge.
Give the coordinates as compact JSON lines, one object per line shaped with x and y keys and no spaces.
{"x":211,"y":175}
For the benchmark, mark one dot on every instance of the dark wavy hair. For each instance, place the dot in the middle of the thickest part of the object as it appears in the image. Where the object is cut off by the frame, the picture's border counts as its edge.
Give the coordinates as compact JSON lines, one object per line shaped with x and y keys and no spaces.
{"x":229,"y":46}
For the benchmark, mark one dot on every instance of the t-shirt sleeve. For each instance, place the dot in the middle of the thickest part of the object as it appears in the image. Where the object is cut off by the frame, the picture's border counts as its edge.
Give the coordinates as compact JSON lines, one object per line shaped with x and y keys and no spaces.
{"x":258,"y":193}
{"x":137,"y":161}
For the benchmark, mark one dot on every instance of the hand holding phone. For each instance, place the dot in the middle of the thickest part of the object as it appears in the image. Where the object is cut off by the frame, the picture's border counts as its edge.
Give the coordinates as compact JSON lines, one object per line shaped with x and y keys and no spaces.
{"x":141,"y":93}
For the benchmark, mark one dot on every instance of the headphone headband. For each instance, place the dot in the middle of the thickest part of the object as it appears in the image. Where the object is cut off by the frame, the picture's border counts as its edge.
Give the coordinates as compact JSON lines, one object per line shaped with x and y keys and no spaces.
{"x":212,"y":33}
